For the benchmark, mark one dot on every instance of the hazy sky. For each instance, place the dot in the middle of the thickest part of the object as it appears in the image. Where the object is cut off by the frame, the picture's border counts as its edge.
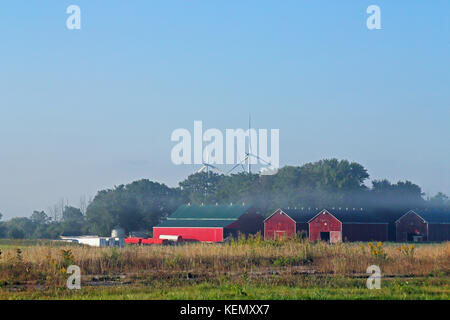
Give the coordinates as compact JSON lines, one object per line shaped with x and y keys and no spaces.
{"x":89,"y":109}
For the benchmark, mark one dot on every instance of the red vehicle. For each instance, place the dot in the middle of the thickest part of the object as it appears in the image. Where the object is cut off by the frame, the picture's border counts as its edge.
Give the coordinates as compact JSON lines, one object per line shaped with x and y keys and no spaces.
{"x":145,"y":241}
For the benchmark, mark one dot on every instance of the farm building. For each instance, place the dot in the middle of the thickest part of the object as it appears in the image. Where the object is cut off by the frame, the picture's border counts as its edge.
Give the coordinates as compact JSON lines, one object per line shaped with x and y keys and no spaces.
{"x":347,"y":225}
{"x":423,"y":226}
{"x":287,"y":223}
{"x":95,"y":241}
{"x":390,"y":215}
{"x":117,"y":239}
{"x":210,"y":223}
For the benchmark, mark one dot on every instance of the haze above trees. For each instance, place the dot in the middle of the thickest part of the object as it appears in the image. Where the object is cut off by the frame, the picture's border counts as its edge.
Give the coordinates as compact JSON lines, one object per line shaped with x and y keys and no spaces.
{"x":142,"y":204}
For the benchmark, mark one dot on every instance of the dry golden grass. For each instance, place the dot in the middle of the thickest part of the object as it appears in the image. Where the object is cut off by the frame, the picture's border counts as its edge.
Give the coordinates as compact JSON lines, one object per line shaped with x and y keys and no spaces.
{"x":253,"y":256}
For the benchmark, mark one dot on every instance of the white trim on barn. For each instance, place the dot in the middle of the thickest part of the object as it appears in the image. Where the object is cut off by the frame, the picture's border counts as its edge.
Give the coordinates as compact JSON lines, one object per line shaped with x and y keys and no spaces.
{"x":323,"y":211}
{"x":411,"y":211}
{"x":282,"y":212}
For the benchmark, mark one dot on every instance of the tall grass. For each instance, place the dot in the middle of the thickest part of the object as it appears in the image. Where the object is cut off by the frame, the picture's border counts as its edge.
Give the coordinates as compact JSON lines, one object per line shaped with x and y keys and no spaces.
{"x":250,"y":257}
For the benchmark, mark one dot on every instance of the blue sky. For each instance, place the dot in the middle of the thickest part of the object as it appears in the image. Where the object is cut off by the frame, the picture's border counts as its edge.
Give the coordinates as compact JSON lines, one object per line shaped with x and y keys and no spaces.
{"x":93,"y":108}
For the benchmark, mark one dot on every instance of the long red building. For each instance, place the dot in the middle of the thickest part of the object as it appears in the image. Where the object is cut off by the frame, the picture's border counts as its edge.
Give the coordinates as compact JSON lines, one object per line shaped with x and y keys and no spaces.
{"x":210,"y":223}
{"x":335,"y":226}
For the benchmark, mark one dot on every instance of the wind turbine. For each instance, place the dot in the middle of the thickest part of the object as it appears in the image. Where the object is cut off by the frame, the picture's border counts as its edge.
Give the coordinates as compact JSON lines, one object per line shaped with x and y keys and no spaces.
{"x":249,"y":154}
{"x":207,"y":166}
{"x":247,"y":159}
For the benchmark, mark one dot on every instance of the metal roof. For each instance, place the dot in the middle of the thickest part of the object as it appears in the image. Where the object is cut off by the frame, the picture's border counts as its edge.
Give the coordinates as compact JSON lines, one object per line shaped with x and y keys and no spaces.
{"x":198,"y":223}
{"x":204,"y":216}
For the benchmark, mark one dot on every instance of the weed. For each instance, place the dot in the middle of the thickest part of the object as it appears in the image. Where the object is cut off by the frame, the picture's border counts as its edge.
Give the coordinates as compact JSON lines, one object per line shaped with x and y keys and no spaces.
{"x":19,"y":255}
{"x":408,"y":251}
{"x":377,"y":250}
{"x":67,"y":257}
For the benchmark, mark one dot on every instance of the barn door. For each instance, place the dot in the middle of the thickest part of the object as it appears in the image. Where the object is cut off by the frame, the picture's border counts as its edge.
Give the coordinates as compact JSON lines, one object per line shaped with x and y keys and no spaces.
{"x":280,"y":234}
{"x":335,"y":236}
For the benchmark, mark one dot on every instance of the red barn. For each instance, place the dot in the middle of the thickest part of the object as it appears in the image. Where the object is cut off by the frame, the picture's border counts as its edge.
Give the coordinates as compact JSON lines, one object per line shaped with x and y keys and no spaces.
{"x":210,"y":223}
{"x":287,"y":223}
{"x":347,"y":225}
{"x":423,"y":226}
{"x":341,"y":225}
{"x":325,"y":226}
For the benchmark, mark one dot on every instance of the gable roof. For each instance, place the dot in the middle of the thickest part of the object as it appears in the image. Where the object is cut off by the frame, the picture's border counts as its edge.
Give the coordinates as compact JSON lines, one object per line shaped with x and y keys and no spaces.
{"x":204,"y":216}
{"x":305,"y":215}
{"x":430,"y":215}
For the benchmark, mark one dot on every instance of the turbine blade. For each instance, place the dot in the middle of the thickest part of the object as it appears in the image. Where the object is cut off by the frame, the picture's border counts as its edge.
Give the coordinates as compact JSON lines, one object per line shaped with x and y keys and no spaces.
{"x":201,"y":169}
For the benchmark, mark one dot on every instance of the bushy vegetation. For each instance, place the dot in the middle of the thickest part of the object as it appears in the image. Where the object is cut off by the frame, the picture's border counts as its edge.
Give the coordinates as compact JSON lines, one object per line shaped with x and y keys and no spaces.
{"x":41,"y":226}
{"x":204,"y":260}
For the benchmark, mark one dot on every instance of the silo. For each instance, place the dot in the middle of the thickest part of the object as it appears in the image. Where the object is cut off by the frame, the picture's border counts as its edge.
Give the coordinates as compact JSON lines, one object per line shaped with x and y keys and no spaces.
{"x":118,"y":232}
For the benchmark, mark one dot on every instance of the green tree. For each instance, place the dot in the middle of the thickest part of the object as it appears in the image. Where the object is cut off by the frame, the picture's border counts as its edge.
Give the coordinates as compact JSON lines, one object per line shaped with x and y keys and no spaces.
{"x":201,"y":187}
{"x":402,"y":195}
{"x":439,"y":200}
{"x":16,"y":233}
{"x":324,"y":183}
{"x":72,"y":221}
{"x":2,"y":227}
{"x":20,"y":228}
{"x":39,"y":218}
{"x":136,"y":206}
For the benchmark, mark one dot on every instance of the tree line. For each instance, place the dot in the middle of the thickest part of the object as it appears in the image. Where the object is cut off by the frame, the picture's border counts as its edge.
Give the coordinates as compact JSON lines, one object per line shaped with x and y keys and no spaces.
{"x":142,"y":204}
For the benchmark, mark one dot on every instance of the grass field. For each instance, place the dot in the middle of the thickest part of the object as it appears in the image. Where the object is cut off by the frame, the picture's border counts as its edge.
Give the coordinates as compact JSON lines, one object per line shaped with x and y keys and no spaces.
{"x":242,"y":269}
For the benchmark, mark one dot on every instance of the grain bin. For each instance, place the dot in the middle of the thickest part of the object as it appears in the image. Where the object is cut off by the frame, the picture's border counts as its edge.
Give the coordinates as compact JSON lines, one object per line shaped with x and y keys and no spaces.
{"x":118,"y":232}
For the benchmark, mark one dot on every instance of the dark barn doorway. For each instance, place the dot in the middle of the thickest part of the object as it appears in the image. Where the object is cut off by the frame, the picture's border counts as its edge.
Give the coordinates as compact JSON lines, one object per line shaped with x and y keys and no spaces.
{"x":325,"y":236}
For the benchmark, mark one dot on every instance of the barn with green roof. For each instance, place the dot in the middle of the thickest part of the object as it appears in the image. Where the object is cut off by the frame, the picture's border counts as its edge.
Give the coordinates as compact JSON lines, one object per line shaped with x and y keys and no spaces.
{"x":210,"y":223}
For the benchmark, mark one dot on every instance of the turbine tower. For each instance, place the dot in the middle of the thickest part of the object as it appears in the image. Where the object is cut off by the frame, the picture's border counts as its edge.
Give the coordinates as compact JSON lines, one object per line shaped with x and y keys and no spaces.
{"x":249,"y":170}
{"x":207,"y":166}
{"x":249,"y":154}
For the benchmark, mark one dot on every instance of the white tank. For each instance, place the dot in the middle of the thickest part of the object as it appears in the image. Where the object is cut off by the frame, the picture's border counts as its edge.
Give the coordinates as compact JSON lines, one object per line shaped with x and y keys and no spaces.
{"x":170,"y":237}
